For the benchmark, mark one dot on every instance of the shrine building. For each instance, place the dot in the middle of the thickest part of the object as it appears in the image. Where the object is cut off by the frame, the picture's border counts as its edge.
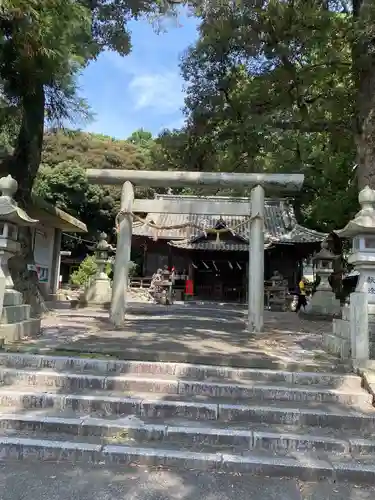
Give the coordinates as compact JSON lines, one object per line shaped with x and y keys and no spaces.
{"x":218,"y":263}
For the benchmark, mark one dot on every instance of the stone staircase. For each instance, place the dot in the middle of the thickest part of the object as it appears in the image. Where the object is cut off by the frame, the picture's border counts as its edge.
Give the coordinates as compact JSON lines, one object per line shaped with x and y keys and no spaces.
{"x":15,"y":321}
{"x":309,"y":425}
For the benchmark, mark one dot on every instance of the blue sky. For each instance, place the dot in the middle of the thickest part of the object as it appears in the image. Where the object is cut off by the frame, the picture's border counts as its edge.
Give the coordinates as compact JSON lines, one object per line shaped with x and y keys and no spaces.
{"x":144,"y":89}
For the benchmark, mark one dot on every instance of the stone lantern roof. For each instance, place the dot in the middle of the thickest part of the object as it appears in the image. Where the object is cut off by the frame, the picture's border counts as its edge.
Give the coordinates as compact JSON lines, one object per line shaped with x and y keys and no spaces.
{"x":9,"y":209}
{"x":364,"y":221}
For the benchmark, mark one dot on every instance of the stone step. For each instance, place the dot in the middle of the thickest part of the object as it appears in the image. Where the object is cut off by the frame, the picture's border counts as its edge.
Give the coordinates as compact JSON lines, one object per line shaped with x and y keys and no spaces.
{"x":104,"y":403}
{"x":14,"y":314}
{"x":300,"y":465}
{"x":14,"y":332}
{"x":186,"y":370}
{"x":347,"y":393}
{"x":136,"y":432}
{"x":251,"y":358}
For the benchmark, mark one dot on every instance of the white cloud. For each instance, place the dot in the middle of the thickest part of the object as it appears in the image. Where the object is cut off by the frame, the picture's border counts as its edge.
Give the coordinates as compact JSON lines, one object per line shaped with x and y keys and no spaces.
{"x":156,"y":88}
{"x":159,"y":91}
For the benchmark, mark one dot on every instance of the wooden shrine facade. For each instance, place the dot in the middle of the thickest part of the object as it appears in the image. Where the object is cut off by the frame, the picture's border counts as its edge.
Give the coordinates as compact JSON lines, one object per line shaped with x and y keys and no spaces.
{"x":218,"y":263}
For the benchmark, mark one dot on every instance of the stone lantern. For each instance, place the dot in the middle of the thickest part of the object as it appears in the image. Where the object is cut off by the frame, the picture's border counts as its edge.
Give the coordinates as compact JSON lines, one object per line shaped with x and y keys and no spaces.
{"x":99,"y":291}
{"x":362,"y":232}
{"x":354,"y":334}
{"x":102,"y":255}
{"x":15,"y":316}
{"x":11,"y":218}
{"x":324,"y":302}
{"x":323,"y":262}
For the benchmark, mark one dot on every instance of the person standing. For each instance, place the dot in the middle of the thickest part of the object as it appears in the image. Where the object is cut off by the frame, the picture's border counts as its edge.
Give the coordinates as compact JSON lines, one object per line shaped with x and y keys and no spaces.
{"x":302,"y":302}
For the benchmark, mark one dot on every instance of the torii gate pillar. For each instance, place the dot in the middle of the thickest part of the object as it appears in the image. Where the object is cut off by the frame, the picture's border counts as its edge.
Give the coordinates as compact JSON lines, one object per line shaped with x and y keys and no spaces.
{"x":278,"y":182}
{"x":256,"y":261}
{"x":123,"y":249}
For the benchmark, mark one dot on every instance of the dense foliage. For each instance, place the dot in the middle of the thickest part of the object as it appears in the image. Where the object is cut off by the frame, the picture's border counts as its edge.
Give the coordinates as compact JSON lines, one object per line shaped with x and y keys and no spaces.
{"x":43,"y":46}
{"x":272,"y":85}
{"x":61,"y":178}
{"x":284,"y":86}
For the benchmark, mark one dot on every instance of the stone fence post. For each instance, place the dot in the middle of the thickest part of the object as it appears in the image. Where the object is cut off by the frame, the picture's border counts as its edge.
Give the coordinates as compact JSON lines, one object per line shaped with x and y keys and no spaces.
{"x":359,"y":329}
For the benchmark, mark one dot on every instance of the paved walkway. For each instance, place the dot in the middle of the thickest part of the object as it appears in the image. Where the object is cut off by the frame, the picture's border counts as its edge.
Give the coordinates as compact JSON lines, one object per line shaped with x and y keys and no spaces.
{"x":25,"y":481}
{"x":195,"y":333}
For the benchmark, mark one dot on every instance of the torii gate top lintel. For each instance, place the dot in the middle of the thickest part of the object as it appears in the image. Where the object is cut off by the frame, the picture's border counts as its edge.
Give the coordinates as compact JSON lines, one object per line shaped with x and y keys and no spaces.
{"x":279,"y":182}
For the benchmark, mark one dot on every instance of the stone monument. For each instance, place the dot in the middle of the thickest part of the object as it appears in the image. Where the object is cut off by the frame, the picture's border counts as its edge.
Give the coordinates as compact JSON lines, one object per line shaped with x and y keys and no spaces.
{"x":349,"y":332}
{"x":324,"y":302}
{"x":15,"y":322}
{"x":99,"y":292}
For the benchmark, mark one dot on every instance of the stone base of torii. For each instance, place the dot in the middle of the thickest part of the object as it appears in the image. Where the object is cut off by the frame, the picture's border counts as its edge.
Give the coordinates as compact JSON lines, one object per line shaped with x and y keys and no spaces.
{"x":255,"y":211}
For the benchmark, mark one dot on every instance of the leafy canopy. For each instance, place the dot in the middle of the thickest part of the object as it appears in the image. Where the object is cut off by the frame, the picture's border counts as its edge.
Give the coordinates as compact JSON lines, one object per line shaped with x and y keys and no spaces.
{"x":271,"y":88}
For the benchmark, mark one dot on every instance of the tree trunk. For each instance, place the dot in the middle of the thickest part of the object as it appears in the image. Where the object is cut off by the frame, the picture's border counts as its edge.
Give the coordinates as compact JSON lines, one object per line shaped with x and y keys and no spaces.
{"x":23,"y":166}
{"x":364,"y":74}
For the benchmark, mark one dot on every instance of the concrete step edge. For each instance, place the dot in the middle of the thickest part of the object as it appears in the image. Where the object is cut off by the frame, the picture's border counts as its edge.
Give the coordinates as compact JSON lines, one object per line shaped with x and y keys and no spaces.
{"x":216,"y":407}
{"x":105,"y":364}
{"x":307,"y":469}
{"x":176,"y":385}
{"x":173,"y":359}
{"x":249,"y":437}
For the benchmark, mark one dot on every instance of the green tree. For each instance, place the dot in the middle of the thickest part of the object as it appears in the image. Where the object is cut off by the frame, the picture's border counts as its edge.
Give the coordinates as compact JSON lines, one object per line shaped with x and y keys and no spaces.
{"x":66,"y":186}
{"x":145,"y":144}
{"x":43,"y":45}
{"x":271,"y":88}
{"x":141,"y":138}
{"x":86,"y":270}
{"x":61,"y":178}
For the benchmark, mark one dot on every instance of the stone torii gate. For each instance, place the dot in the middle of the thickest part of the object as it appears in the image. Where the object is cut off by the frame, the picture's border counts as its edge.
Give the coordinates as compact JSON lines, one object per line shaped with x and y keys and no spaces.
{"x":254,"y":210}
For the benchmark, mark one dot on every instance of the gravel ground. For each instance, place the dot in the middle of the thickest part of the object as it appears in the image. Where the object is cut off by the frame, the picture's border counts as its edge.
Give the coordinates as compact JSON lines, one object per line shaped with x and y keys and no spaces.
{"x":189,"y":330}
{"x":21,"y":481}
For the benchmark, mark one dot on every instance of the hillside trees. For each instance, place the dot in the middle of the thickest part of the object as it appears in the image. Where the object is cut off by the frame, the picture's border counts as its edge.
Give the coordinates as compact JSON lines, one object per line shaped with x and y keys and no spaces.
{"x":61,"y":179}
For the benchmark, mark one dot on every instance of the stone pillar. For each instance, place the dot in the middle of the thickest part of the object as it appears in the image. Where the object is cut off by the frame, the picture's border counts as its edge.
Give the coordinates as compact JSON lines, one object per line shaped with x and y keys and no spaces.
{"x":123,"y":250}
{"x":256,"y":261}
{"x":56,"y":263}
{"x":359,"y":329}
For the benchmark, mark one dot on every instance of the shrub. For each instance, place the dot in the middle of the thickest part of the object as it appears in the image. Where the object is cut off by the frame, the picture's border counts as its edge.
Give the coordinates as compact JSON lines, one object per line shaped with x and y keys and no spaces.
{"x":87,"y":269}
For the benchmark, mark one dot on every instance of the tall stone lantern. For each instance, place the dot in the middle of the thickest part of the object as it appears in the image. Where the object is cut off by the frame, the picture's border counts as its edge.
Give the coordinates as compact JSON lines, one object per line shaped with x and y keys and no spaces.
{"x":11,"y":218}
{"x":15,"y":316}
{"x":323,"y":261}
{"x":360,"y":315}
{"x":324,"y":302}
{"x":102,"y":251}
{"x":362,"y":232}
{"x":99,"y":291}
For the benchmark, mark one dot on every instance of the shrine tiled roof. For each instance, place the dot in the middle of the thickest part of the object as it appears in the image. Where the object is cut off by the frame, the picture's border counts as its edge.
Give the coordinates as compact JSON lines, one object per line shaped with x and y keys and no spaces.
{"x":280,"y":226}
{"x":205,"y":244}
